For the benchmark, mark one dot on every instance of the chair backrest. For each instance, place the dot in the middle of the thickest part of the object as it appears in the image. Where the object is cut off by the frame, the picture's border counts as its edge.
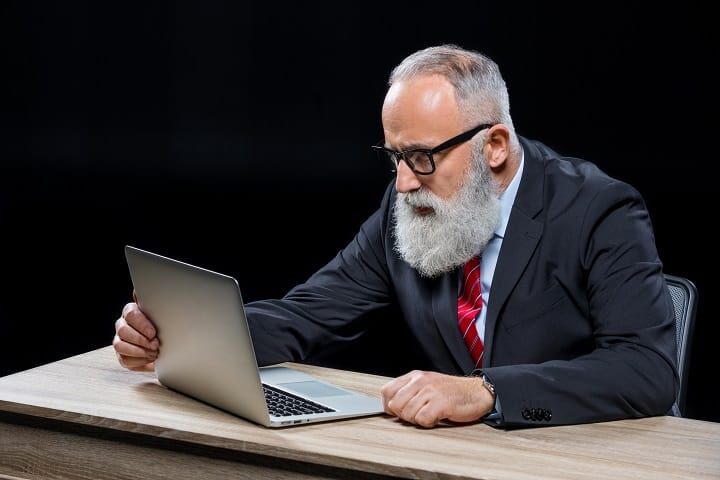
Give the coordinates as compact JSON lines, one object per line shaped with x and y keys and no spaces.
{"x":684,"y":297}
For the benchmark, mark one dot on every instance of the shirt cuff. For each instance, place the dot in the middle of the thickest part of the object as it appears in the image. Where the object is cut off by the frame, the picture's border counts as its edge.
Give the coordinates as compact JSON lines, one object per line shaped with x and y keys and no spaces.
{"x":495,"y":417}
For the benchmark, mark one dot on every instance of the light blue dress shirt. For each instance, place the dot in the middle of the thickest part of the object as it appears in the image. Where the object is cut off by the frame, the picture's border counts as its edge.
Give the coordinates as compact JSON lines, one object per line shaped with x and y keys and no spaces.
{"x":492,"y":250}
{"x":488,"y":261}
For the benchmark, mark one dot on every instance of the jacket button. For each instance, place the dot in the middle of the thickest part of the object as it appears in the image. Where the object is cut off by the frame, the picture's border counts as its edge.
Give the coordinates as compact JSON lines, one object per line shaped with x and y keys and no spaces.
{"x":548,"y":415}
{"x":526,"y":414}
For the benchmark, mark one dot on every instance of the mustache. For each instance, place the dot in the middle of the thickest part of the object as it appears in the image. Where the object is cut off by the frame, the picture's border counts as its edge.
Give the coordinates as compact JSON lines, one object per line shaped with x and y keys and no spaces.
{"x":421,"y":199}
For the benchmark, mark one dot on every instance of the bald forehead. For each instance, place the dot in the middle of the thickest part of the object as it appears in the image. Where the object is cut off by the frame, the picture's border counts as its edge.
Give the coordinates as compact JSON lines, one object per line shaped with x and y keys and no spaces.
{"x":424,"y":104}
{"x":420,"y":95}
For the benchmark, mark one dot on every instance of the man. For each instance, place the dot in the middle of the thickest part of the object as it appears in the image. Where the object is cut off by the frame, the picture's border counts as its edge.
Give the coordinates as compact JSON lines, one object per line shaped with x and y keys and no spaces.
{"x":529,"y":281}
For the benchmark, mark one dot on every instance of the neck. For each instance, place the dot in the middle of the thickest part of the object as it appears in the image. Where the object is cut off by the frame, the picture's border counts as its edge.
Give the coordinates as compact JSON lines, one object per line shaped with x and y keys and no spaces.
{"x":505,"y":173}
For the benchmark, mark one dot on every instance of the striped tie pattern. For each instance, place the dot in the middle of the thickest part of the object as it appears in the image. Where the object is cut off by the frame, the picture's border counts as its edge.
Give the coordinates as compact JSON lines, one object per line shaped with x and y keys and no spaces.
{"x":470,"y":303}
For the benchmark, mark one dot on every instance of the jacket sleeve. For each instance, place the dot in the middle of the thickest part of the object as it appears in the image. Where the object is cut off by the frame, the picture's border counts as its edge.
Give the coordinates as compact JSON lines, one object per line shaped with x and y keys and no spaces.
{"x":631,"y":371}
{"x":331,"y":306}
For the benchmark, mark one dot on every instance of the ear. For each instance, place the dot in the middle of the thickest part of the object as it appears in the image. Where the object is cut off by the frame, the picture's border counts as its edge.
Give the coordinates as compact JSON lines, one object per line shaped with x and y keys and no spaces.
{"x":497,"y":146}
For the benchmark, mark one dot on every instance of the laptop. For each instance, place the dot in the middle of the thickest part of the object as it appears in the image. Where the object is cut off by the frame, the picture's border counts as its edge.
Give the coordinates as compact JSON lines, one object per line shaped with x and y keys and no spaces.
{"x":206,"y":350}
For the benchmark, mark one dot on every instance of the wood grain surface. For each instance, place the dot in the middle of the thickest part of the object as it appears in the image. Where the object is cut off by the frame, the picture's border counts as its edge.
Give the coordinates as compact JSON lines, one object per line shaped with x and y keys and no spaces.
{"x":93,"y":390}
{"x":36,"y":454}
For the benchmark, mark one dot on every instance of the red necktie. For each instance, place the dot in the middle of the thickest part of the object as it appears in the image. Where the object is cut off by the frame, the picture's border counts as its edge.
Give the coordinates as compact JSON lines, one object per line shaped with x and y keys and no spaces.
{"x":470,"y":303}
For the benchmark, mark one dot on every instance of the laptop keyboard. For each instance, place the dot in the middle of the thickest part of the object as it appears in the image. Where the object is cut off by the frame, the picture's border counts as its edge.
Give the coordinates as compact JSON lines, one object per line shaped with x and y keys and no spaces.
{"x":284,"y":404}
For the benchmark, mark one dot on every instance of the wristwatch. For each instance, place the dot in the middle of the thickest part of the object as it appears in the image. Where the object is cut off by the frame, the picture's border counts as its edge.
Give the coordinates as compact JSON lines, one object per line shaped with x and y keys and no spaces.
{"x":495,"y":416}
{"x":485,"y":382}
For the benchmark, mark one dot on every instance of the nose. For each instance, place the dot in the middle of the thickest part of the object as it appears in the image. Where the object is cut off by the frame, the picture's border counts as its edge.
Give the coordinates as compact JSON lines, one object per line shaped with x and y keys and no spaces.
{"x":406,"y":180}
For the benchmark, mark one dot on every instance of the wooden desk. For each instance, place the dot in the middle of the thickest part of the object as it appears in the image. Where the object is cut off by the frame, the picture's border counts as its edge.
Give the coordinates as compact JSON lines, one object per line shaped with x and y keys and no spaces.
{"x":85,"y":417}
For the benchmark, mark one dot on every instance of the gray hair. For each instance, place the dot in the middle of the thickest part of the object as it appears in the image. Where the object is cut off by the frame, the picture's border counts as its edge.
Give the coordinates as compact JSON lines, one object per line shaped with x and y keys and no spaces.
{"x":480,"y":90}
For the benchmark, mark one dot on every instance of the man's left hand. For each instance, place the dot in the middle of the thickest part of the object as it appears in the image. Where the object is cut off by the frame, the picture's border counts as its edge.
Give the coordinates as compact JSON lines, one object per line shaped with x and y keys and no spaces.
{"x":426,"y":398}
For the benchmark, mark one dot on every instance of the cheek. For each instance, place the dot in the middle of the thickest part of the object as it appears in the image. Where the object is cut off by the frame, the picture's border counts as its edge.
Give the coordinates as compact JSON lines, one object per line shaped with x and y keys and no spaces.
{"x":446,"y":184}
{"x":450,"y":178}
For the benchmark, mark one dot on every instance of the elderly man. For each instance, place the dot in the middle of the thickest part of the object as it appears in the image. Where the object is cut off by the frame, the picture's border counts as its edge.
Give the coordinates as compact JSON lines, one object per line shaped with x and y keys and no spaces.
{"x":529,"y":281}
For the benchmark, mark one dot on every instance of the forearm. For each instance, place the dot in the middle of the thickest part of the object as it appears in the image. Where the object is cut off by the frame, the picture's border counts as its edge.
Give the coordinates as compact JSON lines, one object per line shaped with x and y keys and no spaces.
{"x":626,"y":381}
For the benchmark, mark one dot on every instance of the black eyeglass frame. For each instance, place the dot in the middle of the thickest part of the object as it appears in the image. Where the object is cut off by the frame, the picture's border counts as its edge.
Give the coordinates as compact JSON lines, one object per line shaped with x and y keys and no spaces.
{"x":396,"y":156}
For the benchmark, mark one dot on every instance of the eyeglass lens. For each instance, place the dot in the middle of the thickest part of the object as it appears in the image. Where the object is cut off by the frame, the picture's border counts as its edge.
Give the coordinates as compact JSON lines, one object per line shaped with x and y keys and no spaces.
{"x":417,"y":161}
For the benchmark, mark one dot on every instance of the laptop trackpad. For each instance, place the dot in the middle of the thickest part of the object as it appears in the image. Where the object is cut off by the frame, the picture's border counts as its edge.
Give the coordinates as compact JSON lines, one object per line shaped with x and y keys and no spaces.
{"x":313,"y":389}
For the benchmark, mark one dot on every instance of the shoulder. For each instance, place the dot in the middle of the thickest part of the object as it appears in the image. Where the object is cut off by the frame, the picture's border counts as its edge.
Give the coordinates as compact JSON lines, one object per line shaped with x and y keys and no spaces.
{"x":571,"y":183}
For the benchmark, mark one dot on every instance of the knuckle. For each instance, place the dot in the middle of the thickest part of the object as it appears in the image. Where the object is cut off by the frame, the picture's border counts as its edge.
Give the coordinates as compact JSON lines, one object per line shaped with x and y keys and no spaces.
{"x":429,"y":391}
{"x":128,"y":308}
{"x":125,"y":332}
{"x":121,"y":360}
{"x":427,"y":423}
{"x":131,"y":315}
{"x":122,"y":331}
{"x":140,"y":323}
{"x":422,"y":378}
{"x":425,"y":419}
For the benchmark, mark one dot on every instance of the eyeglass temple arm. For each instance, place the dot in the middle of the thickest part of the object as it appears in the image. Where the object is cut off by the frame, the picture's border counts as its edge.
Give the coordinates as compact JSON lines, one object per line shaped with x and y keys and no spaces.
{"x":461,"y":138}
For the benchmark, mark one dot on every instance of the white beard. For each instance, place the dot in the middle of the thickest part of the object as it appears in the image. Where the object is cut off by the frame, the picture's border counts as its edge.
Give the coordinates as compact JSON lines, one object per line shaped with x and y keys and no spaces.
{"x":455,"y":230}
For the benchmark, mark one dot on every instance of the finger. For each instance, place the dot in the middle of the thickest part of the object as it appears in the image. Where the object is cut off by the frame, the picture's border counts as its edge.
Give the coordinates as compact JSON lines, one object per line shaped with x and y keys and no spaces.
{"x":429,"y":415}
{"x":413,"y":405}
{"x":130,"y":335}
{"x":133,"y":362}
{"x":389,"y":390}
{"x":411,"y":388}
{"x":129,"y":350}
{"x":137,"y":319}
{"x":128,"y":306}
{"x":149,"y":367}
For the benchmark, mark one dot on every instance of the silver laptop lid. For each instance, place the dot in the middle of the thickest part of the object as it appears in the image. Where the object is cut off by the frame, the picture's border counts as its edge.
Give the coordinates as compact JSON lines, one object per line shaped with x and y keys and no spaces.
{"x":206,"y":350}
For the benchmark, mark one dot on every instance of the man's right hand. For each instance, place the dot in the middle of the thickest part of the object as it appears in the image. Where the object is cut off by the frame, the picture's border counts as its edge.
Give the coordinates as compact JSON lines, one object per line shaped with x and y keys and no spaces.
{"x":136,"y":342}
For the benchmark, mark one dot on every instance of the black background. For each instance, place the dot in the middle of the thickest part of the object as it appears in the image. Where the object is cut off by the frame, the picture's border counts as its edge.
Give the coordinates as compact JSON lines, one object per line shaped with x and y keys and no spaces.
{"x":235,"y":136}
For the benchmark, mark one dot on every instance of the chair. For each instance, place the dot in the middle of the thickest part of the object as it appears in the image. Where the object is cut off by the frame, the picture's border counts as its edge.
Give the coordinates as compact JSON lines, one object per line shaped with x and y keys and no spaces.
{"x":684,"y":297}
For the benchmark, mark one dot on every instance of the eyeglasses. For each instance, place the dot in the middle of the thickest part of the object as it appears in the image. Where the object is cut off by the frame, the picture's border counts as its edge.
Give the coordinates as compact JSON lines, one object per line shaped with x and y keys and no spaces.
{"x":420,"y":160}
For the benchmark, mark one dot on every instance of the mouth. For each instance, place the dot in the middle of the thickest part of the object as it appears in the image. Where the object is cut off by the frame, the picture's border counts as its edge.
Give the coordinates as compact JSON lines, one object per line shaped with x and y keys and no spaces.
{"x":422,"y":211}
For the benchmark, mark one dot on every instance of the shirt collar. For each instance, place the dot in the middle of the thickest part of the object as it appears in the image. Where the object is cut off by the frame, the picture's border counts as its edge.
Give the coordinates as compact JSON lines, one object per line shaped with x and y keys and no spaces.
{"x":507,"y":198}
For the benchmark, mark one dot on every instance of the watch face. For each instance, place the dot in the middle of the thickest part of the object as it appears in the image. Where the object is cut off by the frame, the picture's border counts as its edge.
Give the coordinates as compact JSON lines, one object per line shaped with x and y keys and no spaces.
{"x":487,"y":384}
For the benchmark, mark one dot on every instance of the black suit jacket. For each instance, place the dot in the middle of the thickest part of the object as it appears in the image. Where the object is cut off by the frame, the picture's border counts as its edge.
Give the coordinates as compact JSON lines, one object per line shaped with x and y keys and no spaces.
{"x":579,"y":326}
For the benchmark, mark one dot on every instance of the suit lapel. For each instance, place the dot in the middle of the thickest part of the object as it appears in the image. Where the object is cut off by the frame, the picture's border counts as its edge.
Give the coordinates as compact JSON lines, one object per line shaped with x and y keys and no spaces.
{"x":521,"y":238}
{"x":444,"y":306}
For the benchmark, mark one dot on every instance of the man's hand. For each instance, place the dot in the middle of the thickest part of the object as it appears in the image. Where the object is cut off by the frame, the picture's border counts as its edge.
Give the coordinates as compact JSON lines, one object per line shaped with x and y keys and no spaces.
{"x":426,"y":398}
{"x":135,"y":341}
